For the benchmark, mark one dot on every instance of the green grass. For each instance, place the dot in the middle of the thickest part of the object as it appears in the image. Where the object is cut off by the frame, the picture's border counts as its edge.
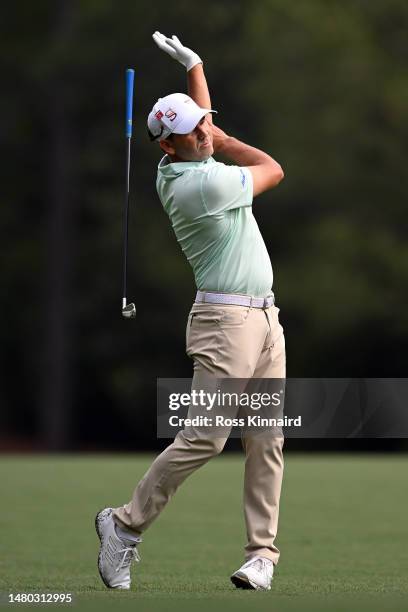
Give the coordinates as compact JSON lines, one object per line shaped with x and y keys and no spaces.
{"x":343,"y":534}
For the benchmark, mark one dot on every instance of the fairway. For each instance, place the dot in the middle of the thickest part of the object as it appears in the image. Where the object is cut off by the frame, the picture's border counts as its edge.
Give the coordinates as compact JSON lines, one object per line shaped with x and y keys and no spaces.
{"x":343,"y":533}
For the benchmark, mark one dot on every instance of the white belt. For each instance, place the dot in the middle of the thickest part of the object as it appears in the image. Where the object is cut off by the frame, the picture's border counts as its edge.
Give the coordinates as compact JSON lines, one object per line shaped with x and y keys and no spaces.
{"x":208,"y":297}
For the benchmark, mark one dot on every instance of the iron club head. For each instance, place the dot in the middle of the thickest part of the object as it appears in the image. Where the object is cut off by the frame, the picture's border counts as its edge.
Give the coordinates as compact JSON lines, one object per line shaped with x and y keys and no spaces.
{"x":129,"y":311}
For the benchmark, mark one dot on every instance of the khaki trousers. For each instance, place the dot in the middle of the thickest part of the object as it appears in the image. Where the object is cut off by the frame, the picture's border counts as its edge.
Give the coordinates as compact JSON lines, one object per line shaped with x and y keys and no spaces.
{"x":224,"y":341}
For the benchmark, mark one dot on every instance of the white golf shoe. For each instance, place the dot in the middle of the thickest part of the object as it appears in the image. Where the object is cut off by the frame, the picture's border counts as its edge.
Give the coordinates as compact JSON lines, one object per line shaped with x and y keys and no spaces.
{"x":115,"y":554}
{"x":257,"y":573}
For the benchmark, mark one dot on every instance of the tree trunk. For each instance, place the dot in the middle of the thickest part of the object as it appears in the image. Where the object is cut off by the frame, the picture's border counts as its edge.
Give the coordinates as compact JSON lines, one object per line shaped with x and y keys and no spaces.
{"x":57,"y":405}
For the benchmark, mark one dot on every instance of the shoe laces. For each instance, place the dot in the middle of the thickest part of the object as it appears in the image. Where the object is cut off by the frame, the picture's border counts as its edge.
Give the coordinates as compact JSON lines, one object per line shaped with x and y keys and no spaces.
{"x":129,"y":554}
{"x":262,"y":565}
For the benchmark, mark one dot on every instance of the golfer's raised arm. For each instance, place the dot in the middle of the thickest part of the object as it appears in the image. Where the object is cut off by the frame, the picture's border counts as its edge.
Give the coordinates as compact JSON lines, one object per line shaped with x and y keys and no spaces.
{"x":198,"y":89}
{"x":196,"y":81}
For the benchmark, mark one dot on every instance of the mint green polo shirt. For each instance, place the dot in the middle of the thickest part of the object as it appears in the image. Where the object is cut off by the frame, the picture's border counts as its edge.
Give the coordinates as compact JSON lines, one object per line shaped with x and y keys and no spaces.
{"x":210,"y":208}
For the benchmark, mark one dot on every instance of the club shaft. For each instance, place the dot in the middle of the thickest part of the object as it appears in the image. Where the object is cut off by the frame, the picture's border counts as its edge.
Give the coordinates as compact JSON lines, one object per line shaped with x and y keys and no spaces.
{"x":126,"y":223}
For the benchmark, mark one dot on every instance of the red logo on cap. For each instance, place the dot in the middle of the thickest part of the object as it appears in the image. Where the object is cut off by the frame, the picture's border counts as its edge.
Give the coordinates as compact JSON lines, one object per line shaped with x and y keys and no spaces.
{"x":159,"y":115}
{"x":170,"y":114}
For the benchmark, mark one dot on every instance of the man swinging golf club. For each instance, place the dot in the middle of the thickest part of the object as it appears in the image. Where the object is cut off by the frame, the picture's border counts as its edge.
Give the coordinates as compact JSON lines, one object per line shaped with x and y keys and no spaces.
{"x":233,"y":328}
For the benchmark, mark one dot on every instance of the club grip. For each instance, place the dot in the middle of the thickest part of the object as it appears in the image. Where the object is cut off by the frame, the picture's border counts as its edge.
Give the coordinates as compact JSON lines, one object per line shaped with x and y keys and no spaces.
{"x":130,"y":75}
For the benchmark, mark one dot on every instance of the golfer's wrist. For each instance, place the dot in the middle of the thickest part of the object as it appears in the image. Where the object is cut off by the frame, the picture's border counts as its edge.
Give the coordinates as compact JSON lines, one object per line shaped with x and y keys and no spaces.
{"x":193,"y":61}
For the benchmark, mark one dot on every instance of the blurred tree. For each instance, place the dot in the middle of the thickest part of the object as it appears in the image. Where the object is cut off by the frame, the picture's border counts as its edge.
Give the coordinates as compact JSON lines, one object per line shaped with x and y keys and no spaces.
{"x":321,"y":85}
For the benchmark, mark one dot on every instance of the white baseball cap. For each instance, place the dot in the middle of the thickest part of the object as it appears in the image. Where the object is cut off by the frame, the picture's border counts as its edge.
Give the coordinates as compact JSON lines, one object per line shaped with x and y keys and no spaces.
{"x":176,"y":113}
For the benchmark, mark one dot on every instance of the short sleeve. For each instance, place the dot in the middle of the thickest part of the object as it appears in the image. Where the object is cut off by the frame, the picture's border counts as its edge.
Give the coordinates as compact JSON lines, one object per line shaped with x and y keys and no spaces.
{"x":226,"y":187}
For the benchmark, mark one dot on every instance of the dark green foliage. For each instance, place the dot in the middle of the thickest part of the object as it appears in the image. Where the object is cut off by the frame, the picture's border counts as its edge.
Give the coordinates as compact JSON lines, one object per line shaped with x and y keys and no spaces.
{"x":321,"y":85}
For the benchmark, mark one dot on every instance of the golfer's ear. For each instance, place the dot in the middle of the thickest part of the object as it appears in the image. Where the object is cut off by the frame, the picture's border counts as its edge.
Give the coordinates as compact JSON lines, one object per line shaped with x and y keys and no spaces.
{"x":166,"y":145}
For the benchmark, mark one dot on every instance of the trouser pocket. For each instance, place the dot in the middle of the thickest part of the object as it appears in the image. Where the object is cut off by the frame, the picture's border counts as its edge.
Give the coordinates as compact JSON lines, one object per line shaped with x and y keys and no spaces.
{"x":202,"y":334}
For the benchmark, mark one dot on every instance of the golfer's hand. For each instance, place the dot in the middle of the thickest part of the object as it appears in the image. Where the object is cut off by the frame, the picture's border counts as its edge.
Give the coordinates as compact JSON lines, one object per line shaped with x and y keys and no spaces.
{"x":219,"y":138}
{"x":176,"y":50}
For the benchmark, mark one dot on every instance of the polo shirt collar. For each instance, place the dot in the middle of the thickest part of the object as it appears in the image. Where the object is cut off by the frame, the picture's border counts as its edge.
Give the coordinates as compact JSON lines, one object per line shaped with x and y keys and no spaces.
{"x":177,"y":168}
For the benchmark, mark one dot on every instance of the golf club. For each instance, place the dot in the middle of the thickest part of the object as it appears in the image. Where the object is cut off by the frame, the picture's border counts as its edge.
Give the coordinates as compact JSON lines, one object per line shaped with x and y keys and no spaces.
{"x":128,"y":310}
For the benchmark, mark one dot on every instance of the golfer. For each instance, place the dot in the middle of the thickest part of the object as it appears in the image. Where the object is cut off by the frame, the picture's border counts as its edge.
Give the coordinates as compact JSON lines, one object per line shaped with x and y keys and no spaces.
{"x":232,"y":330}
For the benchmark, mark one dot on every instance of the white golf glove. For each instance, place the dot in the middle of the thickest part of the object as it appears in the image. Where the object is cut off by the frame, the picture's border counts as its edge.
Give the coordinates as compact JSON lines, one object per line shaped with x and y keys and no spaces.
{"x":176,"y":50}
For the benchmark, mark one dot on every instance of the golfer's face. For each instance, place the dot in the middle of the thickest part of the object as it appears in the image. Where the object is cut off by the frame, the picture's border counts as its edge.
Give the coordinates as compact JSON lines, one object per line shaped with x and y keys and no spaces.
{"x":195,"y":146}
